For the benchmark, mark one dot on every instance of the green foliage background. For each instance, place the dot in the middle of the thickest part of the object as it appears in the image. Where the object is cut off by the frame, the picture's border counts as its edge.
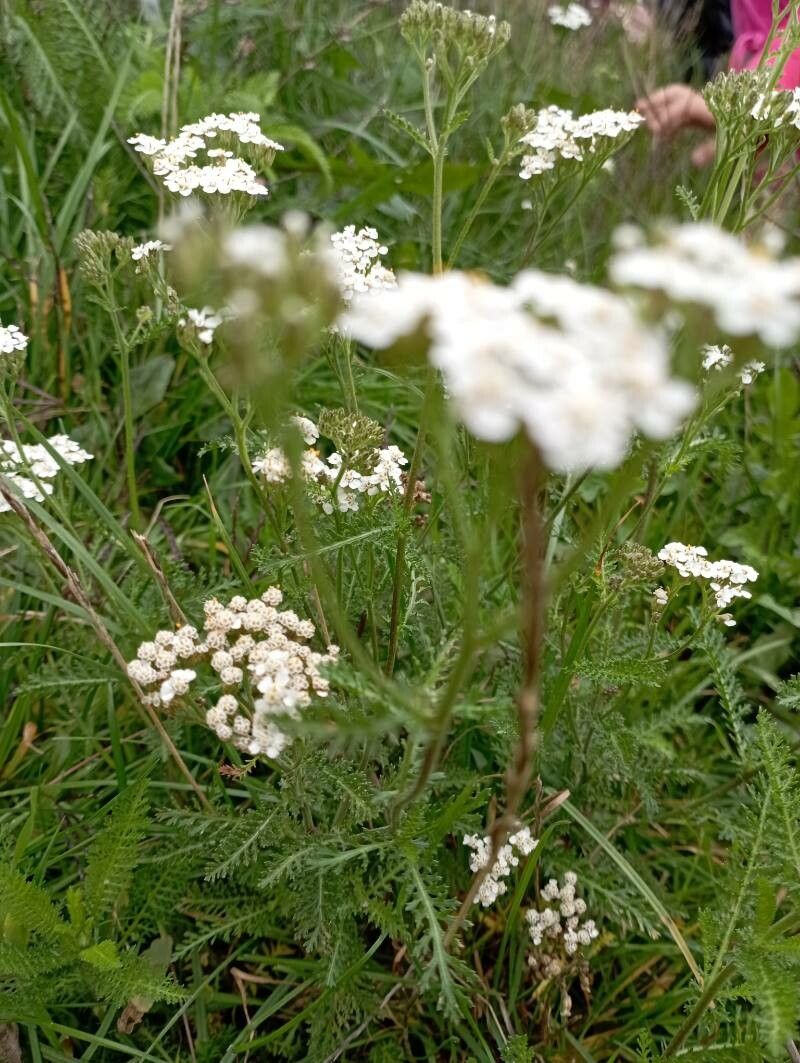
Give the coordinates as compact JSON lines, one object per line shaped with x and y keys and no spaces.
{"x":299,"y":919}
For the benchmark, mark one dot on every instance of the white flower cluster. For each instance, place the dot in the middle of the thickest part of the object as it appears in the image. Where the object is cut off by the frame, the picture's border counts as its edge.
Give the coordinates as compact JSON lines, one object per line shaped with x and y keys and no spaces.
{"x":561,"y":919}
{"x":559,"y":134}
{"x":335,"y":488}
{"x":777,"y":107}
{"x":727,"y":578}
{"x":31,"y":470}
{"x":205,"y":322}
{"x":358,"y":260}
{"x":222,"y":172}
{"x":749,"y":291}
{"x":142,"y":252}
{"x":570,"y":363}
{"x":719,"y":357}
{"x":257,"y":651}
{"x":571,"y":16}
{"x":12,"y":339}
{"x":494,"y":884}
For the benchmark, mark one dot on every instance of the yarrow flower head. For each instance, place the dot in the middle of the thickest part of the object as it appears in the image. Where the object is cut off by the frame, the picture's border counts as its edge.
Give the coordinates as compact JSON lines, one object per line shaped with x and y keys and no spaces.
{"x":30,"y":470}
{"x":727,"y":579}
{"x":749,"y":291}
{"x":494,"y":885}
{"x":201,"y":158}
{"x":569,"y":363}
{"x":558,"y":134}
{"x":559,"y":922}
{"x":571,"y":16}
{"x":358,"y":260}
{"x":262,"y":662}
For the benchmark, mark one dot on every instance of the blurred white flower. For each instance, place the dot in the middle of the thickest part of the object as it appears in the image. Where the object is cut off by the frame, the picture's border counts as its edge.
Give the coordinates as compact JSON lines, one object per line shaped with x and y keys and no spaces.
{"x":572,"y":16}
{"x":570,"y":363}
{"x":749,"y":291}
{"x":205,"y":322}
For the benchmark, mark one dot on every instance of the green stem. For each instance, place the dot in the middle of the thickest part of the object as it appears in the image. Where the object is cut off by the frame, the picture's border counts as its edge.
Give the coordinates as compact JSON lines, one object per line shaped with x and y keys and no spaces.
{"x":494,"y":173}
{"x":710,"y":989}
{"x":127,"y":405}
{"x":414,"y":467}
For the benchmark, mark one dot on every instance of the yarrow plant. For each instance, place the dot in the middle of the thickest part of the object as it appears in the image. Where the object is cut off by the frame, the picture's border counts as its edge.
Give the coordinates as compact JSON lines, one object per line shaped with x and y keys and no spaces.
{"x":262,"y":661}
{"x":749,"y":290}
{"x":470,"y":504}
{"x":358,"y":258}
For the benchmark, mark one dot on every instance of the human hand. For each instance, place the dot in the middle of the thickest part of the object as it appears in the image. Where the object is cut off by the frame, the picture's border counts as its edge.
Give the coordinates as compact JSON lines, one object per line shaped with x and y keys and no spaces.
{"x":666,"y":111}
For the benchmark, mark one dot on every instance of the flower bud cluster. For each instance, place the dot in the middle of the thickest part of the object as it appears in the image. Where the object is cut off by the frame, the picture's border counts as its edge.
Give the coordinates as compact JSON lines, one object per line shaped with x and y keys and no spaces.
{"x":494,"y":884}
{"x":560,"y":920}
{"x":261,"y":659}
{"x":476,"y":37}
{"x":30,"y":469}
{"x":212,"y":141}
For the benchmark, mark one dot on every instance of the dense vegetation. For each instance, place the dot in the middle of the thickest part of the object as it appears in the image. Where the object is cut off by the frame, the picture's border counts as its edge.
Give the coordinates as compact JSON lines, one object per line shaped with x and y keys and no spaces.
{"x":504,"y":665}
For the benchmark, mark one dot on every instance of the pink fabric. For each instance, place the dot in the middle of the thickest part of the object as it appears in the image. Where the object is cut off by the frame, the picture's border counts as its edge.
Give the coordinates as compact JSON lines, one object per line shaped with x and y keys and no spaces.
{"x":752,"y":22}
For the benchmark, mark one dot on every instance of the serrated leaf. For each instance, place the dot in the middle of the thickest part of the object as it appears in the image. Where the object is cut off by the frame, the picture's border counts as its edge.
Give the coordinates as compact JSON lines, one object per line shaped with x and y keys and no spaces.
{"x":103,"y":956}
{"x":402,"y":125}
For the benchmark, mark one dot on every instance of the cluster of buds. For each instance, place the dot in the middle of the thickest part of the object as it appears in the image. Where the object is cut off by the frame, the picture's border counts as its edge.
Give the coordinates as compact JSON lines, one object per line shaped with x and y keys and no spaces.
{"x":261,"y":659}
{"x":461,"y":41}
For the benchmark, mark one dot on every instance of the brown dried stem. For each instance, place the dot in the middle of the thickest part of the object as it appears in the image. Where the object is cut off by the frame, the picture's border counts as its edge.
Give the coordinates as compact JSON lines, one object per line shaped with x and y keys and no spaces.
{"x":532,"y":548}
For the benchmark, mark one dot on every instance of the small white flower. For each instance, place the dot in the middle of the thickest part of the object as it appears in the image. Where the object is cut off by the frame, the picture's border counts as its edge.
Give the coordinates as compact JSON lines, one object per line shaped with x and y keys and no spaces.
{"x":151,"y":247}
{"x":12,"y":339}
{"x":571,"y":16}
